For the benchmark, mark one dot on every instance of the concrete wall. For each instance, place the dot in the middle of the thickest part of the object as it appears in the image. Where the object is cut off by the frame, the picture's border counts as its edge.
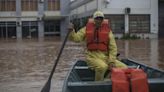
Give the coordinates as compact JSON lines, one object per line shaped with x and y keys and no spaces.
{"x":7,"y":14}
{"x":82,"y":6}
{"x":137,"y":7}
{"x":18,"y":14}
{"x":40,"y":14}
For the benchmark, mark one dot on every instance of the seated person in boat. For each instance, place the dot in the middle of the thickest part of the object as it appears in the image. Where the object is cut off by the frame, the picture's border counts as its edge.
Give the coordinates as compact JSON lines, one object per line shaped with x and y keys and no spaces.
{"x":100,"y":43}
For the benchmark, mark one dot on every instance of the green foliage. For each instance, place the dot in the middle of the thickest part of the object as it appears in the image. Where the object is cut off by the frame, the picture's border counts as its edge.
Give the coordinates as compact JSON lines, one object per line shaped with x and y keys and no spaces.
{"x":116,"y":38}
{"x":130,"y":37}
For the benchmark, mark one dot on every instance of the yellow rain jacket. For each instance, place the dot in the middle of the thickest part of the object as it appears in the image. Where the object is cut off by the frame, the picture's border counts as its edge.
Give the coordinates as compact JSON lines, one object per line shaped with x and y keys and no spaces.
{"x":98,"y":60}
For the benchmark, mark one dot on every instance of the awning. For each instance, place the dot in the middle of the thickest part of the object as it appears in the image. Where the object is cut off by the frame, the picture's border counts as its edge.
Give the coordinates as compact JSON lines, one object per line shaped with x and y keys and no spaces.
{"x":53,"y":15}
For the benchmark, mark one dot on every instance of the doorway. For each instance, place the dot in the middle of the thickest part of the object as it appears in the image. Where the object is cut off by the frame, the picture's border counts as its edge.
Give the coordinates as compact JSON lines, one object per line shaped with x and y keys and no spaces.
{"x":7,"y":30}
{"x":52,"y":28}
{"x":161,"y":18}
{"x":29,"y":29}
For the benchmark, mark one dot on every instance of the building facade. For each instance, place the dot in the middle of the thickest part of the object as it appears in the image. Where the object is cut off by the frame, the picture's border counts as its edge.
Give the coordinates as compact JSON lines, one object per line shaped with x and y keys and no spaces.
{"x":33,"y":18}
{"x":41,"y":18}
{"x":134,"y":17}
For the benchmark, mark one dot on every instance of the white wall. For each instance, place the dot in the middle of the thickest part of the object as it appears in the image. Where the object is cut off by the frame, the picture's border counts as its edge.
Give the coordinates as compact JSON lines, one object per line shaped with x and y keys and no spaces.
{"x":118,"y":6}
{"x":154,"y":16}
{"x":129,"y":3}
{"x":7,"y":14}
{"x":8,"y":19}
{"x":29,"y":14}
{"x":84,"y":8}
{"x":92,"y":5}
{"x":137,"y":7}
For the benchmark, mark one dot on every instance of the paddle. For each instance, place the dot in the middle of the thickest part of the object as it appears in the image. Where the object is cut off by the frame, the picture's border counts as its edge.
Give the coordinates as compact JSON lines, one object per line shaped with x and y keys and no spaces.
{"x":46,"y":87}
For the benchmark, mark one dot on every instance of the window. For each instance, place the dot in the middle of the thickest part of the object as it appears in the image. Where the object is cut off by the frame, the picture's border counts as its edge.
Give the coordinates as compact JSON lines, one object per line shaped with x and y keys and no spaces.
{"x":7,"y":29}
{"x":52,"y":28}
{"x":139,"y":23}
{"x":116,"y":23}
{"x":7,"y":5}
{"x":29,"y":29}
{"x":29,"y":5}
{"x":53,"y":5}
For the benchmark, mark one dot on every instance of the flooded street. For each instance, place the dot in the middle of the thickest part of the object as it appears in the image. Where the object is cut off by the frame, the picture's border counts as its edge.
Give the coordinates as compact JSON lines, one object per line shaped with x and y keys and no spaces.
{"x":146,"y":51}
{"x":25,"y":65}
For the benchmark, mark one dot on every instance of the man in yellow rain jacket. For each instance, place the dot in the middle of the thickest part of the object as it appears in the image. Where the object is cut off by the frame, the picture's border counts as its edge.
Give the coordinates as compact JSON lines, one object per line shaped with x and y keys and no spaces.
{"x":101,"y":46}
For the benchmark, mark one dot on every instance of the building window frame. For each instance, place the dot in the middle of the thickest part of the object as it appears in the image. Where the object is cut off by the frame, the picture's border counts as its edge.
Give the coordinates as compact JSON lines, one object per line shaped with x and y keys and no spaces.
{"x":29,"y":5}
{"x":7,"y":5}
{"x":52,"y":27}
{"x":139,"y":23}
{"x":30,"y":29}
{"x":7,"y":29}
{"x":116,"y":22}
{"x":52,"y":5}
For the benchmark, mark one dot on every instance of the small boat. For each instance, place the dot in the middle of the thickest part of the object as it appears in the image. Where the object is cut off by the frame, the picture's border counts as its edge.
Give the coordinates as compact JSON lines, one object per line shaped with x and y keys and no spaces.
{"x":81,"y":78}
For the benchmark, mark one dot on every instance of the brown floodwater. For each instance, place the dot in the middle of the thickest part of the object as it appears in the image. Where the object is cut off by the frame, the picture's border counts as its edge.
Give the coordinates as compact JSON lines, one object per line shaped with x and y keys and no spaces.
{"x":26,"y":64}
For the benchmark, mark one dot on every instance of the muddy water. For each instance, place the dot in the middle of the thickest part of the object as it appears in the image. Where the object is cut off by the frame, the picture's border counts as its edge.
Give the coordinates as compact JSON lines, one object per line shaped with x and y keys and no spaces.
{"x":25,"y":65}
{"x":149,"y":52}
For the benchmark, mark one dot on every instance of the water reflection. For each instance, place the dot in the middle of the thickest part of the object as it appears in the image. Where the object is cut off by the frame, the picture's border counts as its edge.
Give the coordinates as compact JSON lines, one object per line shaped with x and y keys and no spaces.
{"x":161,"y":53}
{"x":25,"y":65}
{"x":144,"y":51}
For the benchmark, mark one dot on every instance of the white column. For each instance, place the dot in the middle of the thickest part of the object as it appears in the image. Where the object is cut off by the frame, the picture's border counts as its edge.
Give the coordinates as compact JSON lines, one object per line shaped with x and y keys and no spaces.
{"x":18,"y":20}
{"x":126,"y":23}
{"x":40,"y":21}
{"x":154,"y":17}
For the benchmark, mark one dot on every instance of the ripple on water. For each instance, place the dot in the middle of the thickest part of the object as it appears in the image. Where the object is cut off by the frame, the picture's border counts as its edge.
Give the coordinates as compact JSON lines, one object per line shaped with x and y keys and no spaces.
{"x":25,"y":66}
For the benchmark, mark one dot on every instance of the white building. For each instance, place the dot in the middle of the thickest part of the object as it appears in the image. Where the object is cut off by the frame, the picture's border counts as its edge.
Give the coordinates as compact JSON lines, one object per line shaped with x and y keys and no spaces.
{"x":41,"y":18}
{"x":136,"y":17}
{"x":33,"y":18}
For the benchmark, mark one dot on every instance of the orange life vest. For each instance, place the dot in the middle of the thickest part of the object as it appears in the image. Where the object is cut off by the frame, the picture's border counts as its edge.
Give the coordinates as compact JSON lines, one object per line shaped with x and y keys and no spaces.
{"x":97,"y":39}
{"x":129,"y":80}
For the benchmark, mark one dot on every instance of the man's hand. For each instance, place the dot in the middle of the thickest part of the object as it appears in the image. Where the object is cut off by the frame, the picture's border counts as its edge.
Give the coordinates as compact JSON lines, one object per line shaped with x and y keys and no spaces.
{"x":70,"y":27}
{"x":111,"y":65}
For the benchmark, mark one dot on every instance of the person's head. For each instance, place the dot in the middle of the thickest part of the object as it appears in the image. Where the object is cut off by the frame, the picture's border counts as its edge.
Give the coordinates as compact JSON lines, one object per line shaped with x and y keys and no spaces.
{"x":98,"y":18}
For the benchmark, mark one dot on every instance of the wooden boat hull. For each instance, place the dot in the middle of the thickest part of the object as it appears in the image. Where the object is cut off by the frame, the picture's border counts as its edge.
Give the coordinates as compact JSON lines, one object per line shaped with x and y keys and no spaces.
{"x":81,"y":78}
